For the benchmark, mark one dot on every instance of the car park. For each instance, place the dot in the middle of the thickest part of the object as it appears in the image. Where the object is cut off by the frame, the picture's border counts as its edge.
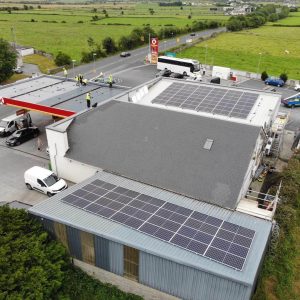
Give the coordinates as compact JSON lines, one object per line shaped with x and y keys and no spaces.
{"x":44,"y":181}
{"x":164,"y":73}
{"x":22,"y":135}
{"x":274,"y":81}
{"x":176,"y":75}
{"x":125,"y":54}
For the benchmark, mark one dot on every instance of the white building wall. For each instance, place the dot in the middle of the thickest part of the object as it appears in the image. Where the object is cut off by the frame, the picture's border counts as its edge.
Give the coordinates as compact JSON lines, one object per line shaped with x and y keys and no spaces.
{"x":64,"y":167}
{"x":253,"y":165}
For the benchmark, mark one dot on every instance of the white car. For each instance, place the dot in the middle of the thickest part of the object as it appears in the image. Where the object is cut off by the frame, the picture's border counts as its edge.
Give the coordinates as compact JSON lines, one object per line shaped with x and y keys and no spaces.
{"x":44,"y":181}
{"x":297,"y":87}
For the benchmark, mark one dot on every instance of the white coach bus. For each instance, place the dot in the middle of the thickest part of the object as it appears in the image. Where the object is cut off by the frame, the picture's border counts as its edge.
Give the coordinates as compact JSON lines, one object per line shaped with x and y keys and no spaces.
{"x":183,"y":66}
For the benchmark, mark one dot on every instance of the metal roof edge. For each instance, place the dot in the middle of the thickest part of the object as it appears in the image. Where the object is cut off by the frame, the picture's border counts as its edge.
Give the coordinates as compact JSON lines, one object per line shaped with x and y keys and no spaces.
{"x":176,"y":260}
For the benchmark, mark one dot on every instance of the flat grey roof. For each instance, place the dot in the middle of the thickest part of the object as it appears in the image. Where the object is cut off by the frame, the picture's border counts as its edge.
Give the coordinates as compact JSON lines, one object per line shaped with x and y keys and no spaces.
{"x":54,"y":209}
{"x":166,"y":149}
{"x":57,"y":92}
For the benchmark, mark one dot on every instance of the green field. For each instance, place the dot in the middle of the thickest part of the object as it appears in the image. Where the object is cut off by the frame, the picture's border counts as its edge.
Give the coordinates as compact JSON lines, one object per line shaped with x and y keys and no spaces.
{"x":66,"y":28}
{"x":292,"y":20}
{"x":241,"y":50}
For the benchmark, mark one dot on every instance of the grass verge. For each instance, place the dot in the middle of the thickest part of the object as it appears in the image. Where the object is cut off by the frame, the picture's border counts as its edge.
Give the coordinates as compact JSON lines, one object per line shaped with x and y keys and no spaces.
{"x":280,"y":276}
{"x":15,"y":78}
{"x":43,"y":62}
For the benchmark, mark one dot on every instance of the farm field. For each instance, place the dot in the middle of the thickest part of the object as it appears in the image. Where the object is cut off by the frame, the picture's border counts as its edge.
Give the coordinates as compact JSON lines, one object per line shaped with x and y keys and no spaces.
{"x":66,"y":28}
{"x":241,"y":50}
{"x":292,"y":20}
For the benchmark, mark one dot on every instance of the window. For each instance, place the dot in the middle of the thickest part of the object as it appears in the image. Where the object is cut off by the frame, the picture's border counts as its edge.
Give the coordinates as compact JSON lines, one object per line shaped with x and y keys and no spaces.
{"x":131,"y":263}
{"x":41,"y":183}
{"x":208,"y":144}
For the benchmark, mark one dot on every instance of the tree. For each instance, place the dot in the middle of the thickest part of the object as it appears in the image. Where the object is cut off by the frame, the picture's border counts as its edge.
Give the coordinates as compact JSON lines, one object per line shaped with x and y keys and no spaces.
{"x":109,"y":45}
{"x":90,"y":41}
{"x":284,"y":77}
{"x":8,"y":60}
{"x":264,"y":75}
{"x":31,"y":264}
{"x":62,"y":59}
{"x":125,"y":43}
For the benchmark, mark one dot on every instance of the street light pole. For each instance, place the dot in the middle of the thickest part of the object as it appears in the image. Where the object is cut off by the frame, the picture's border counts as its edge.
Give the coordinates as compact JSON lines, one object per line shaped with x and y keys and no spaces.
{"x":73,"y":62}
{"x":94,"y":54}
{"x":205,"y":53}
{"x":260,"y":54}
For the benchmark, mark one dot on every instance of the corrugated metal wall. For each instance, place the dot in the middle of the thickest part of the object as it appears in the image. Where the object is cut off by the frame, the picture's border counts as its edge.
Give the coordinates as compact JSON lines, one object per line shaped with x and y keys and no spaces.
{"x":108,"y":255}
{"x":74,"y":242}
{"x":186,"y":282}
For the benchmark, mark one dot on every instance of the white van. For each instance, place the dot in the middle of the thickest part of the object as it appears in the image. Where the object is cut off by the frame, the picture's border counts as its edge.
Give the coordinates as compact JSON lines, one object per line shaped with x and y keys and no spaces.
{"x":44,"y":181}
{"x":12,"y":123}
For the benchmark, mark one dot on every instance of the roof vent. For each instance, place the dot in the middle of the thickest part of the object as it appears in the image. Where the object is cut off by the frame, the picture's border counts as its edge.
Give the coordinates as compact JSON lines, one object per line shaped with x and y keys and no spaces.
{"x":208,"y":144}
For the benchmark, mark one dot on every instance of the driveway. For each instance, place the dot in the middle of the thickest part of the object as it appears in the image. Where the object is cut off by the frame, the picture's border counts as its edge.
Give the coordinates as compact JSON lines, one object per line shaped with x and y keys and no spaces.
{"x":13,"y":165}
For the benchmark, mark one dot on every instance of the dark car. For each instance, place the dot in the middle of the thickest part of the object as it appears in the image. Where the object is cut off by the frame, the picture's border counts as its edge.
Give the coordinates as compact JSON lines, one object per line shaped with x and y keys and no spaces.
{"x":193,"y":34}
{"x":22,"y":135}
{"x":274,"y":81}
{"x":125,"y":54}
{"x":164,"y":73}
{"x":176,"y":75}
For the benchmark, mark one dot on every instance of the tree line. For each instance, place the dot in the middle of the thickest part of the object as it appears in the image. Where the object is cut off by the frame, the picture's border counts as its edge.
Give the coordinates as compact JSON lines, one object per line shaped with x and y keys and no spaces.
{"x":258,"y":18}
{"x":139,"y":37}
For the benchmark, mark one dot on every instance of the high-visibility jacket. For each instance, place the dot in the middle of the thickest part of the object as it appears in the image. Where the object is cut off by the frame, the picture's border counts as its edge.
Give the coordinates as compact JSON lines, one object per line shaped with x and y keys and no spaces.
{"x":110,"y":78}
{"x":88,"y":97}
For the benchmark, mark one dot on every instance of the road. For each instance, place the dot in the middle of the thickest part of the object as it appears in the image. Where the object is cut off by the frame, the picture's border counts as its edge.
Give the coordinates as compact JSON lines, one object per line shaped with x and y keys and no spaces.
{"x":114,"y":64}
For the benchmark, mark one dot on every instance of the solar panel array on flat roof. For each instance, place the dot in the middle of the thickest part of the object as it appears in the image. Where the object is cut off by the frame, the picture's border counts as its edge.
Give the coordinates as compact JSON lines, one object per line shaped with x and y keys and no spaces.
{"x":221,"y":101}
{"x":216,"y":239}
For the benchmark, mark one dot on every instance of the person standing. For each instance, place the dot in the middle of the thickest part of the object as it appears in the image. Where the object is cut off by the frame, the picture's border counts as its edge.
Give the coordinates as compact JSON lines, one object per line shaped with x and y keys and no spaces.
{"x":110,"y":80}
{"x":80,"y":79}
{"x":65,"y":72}
{"x":88,"y":100}
{"x":204,"y":70}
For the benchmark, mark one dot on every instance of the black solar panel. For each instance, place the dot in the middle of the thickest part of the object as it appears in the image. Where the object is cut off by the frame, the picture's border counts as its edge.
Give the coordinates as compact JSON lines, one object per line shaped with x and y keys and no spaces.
{"x":205,"y":235}
{"x":213,"y":100}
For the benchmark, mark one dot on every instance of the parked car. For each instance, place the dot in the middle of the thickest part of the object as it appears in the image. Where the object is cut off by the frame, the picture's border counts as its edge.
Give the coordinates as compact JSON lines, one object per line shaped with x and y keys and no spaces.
{"x":297,"y":87}
{"x":193,"y":34}
{"x":9,"y":125}
{"x":291,"y":101}
{"x":22,"y":135}
{"x":125,"y":54}
{"x":44,"y":181}
{"x":176,"y":75}
{"x":164,"y":73}
{"x":274,"y":81}
{"x":18,"y":70}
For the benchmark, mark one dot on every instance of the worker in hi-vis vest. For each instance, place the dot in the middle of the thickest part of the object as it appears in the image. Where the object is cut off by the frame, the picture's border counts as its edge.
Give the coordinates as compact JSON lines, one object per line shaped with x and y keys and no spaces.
{"x":88,"y":100}
{"x":65,"y":72}
{"x":110,"y":80}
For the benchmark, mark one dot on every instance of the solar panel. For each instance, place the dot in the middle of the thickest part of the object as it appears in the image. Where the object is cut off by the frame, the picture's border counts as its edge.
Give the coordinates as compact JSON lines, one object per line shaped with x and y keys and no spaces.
{"x":221,"y":101}
{"x":205,"y":235}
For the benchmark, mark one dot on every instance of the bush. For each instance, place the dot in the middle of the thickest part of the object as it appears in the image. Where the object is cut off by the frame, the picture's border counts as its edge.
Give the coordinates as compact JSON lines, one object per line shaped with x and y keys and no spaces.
{"x":62,"y":59}
{"x":284,"y":77}
{"x":264,"y":75}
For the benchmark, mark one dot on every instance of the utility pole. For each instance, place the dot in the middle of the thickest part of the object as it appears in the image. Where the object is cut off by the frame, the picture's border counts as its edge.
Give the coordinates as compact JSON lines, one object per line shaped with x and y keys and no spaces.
{"x":13,"y":37}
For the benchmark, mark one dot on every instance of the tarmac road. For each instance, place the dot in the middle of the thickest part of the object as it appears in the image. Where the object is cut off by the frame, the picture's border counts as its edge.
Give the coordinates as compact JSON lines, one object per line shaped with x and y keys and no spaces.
{"x":113,"y":64}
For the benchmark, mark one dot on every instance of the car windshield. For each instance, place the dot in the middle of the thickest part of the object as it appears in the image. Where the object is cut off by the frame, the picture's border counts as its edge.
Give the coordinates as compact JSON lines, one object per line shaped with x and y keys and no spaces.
{"x":17,"y":133}
{"x":3,"y":123}
{"x":52,"y":179}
